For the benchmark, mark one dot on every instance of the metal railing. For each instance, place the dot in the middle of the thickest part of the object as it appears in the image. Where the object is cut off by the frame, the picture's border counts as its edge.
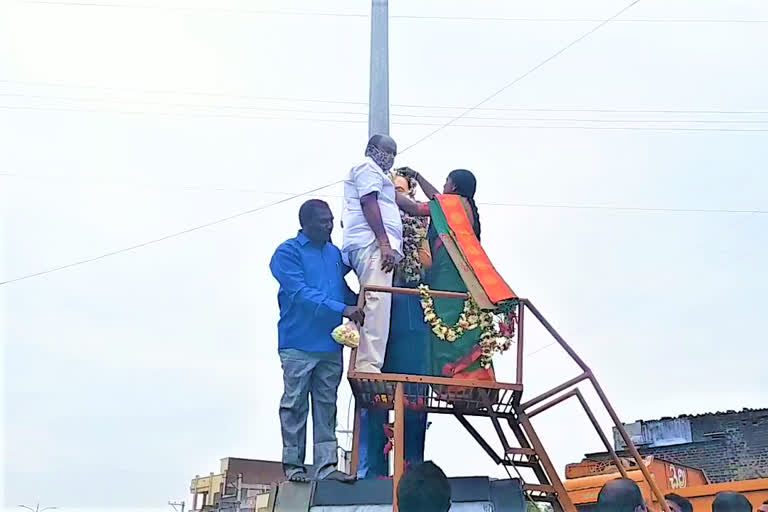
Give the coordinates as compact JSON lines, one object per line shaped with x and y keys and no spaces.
{"x":520,"y":413}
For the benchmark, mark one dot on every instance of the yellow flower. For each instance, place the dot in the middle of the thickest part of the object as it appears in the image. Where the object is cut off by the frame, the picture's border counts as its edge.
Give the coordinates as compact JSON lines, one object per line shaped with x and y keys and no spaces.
{"x":430,"y":317}
{"x":451,"y":336}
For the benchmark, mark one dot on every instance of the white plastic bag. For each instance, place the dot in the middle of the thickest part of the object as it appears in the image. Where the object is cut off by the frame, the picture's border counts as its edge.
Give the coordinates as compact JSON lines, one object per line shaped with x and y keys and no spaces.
{"x":347,"y":334}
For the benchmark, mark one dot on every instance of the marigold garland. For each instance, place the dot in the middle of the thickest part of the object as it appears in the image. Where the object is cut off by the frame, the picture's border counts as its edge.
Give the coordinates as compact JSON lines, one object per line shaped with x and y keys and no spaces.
{"x":497,"y":330}
{"x":414,"y":232}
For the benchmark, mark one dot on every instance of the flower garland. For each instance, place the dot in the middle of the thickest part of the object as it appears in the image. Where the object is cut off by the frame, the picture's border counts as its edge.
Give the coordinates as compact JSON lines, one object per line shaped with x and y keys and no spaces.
{"x":469,"y":319}
{"x":497,"y":330}
{"x":414,"y":232}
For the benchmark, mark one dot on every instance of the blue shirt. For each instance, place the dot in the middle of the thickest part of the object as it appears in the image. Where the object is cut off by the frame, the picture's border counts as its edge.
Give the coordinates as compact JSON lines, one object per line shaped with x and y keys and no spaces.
{"x":312,"y":295}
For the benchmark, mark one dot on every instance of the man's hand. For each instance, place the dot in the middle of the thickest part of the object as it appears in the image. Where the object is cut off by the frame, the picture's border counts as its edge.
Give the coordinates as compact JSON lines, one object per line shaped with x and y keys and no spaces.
{"x":408,"y":172}
{"x":387,"y":257}
{"x":355,"y":314}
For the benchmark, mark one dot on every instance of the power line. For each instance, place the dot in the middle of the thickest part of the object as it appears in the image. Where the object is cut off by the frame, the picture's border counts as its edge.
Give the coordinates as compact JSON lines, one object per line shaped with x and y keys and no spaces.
{"x":597,"y":110}
{"x":165,"y":237}
{"x":360,"y":103}
{"x":250,"y":108}
{"x":527,"y":73}
{"x":294,"y":196}
{"x":693,"y":249}
{"x":583,"y":20}
{"x":275,"y":12}
{"x":440,"y":126}
{"x":643,"y":209}
{"x":200,"y":8}
{"x":510,"y":84}
{"x":540,"y":349}
{"x":174,"y":104}
{"x":172,"y":91}
{"x":629,"y":208}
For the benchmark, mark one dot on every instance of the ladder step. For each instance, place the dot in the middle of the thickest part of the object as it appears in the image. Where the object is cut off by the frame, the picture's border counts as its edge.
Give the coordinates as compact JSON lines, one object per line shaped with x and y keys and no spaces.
{"x":539,"y":487}
{"x":519,"y":463}
{"x":521,"y":451}
{"x":525,"y":464}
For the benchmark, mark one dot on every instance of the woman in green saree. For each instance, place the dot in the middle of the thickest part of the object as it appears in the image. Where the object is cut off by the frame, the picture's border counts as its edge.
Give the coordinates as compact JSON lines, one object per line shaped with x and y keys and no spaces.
{"x":460,"y":358}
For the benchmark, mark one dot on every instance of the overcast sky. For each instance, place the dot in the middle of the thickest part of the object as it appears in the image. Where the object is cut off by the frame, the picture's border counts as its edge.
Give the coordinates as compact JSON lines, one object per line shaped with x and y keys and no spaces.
{"x":125,"y":377}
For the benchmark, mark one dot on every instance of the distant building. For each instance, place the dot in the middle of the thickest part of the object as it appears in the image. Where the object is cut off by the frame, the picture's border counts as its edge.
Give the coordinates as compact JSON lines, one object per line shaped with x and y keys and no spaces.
{"x":242,"y":485}
{"x":237,"y":485}
{"x":726,"y":445}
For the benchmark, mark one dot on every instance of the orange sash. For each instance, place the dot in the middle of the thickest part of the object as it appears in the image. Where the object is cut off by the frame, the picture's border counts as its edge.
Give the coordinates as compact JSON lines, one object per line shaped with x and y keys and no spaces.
{"x":494,"y":285}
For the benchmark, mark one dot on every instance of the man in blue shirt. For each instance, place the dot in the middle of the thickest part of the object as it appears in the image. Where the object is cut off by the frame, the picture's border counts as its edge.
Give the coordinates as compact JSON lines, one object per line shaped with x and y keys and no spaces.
{"x":313,"y":298}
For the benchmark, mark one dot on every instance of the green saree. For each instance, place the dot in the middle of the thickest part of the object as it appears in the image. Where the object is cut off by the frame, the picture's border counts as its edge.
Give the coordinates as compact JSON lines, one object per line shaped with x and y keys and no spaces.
{"x":458,"y":359}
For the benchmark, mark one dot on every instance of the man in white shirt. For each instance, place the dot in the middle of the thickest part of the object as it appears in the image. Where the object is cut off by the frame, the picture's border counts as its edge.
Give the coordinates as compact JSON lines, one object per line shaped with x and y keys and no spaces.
{"x":372,"y":243}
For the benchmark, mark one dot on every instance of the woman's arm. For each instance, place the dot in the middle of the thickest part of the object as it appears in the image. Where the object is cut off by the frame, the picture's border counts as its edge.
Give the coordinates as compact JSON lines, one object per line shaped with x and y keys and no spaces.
{"x":411,"y":207}
{"x":427,"y":187}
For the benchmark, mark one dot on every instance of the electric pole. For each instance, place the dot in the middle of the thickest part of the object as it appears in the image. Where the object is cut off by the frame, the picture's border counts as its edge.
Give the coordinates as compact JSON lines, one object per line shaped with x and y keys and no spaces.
{"x":378,"y":99}
{"x":175,"y":504}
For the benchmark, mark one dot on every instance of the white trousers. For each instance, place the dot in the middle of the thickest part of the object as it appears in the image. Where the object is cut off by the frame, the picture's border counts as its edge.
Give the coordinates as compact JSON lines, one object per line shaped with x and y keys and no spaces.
{"x":378,"y":306}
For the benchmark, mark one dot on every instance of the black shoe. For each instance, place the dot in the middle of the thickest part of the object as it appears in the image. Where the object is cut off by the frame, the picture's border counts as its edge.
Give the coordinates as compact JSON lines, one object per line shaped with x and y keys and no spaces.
{"x":301,"y":476}
{"x":340,"y":477}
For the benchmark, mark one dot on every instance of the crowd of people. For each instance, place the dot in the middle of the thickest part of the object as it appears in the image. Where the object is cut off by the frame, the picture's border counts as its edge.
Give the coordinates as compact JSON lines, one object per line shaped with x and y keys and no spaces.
{"x":623,"y":495}
{"x":388,"y":240}
{"x":426,"y":489}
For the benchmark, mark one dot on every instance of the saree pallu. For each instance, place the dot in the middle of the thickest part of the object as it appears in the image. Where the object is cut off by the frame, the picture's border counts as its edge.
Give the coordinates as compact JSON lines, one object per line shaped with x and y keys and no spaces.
{"x":458,"y":359}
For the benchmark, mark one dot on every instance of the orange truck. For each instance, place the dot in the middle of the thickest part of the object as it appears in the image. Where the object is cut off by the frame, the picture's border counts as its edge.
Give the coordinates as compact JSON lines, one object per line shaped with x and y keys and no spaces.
{"x":585,"y":479}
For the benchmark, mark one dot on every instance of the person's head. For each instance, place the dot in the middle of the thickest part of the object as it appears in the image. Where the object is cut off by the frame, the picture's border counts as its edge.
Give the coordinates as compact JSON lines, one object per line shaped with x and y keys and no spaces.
{"x":316,"y":221}
{"x":678,"y":504}
{"x":763,"y":507}
{"x":382,"y":149}
{"x":401,"y":184}
{"x":424,"y":488}
{"x":463,"y":183}
{"x":620,"y":495}
{"x":404,"y":181}
{"x":729,"y":501}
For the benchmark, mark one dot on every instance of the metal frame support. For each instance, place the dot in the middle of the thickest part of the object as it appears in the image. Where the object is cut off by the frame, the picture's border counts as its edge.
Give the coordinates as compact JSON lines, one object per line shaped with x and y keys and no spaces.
{"x":520,"y":330}
{"x":526,"y":435}
{"x":477,"y":437}
{"x":549,"y":468}
{"x":577,"y":393}
{"x":399,"y":448}
{"x":587,"y":374}
{"x":355,"y":457}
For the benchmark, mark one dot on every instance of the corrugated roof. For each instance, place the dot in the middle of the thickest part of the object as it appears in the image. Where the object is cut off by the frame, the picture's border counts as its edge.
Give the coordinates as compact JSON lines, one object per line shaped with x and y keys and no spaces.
{"x":718,"y":413}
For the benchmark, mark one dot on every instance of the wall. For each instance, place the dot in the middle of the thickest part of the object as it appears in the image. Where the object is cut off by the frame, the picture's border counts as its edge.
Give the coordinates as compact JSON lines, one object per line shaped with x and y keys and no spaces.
{"x":727,"y":446}
{"x":656,"y":433}
{"x":209,"y":486}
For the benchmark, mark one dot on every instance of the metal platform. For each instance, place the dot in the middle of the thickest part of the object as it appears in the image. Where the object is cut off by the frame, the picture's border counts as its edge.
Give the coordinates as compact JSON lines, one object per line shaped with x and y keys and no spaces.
{"x":500,"y":402}
{"x":435,"y":394}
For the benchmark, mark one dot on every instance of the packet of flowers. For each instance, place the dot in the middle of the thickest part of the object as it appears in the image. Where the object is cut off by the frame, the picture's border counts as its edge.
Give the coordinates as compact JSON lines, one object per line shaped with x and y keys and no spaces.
{"x":347,"y":334}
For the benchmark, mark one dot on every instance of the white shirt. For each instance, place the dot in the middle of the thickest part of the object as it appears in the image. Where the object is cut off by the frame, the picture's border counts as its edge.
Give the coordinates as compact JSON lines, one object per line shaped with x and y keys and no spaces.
{"x":357,"y":234}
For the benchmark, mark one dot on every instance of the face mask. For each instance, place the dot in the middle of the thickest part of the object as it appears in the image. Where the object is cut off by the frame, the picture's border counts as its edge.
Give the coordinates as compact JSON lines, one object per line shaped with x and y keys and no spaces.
{"x":383,"y":159}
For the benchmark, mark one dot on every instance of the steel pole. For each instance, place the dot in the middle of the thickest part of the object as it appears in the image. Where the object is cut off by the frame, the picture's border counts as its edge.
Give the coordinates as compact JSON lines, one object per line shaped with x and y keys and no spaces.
{"x":378,"y":99}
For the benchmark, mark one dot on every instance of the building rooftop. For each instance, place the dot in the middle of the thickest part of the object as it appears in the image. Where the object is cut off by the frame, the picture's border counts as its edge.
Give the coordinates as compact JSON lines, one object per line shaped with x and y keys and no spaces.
{"x":700,"y":415}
